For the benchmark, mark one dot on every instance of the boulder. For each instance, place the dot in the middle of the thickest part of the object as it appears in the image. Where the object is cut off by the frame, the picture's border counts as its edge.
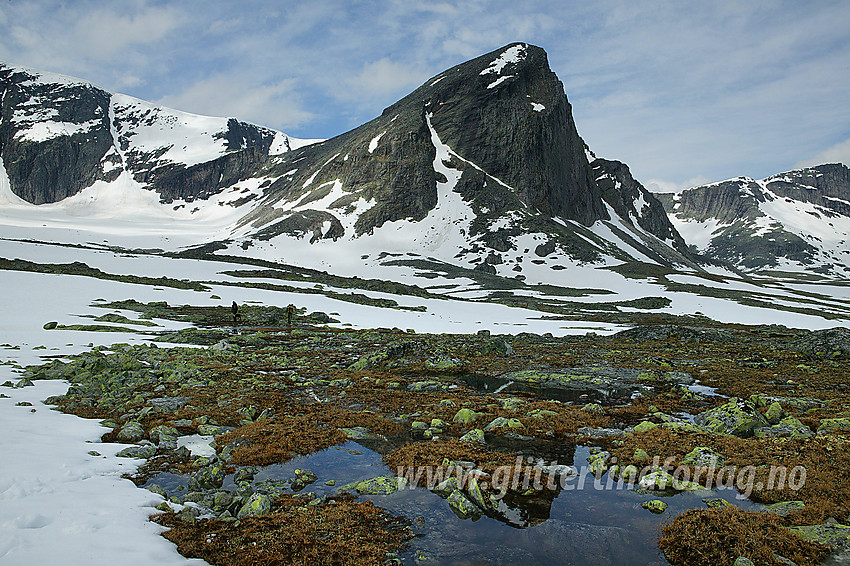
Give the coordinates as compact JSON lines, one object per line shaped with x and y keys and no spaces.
{"x":256,"y":506}
{"x":654,"y":505}
{"x":380,"y":485}
{"x":703,"y":457}
{"x":132,"y":431}
{"x":737,"y":417}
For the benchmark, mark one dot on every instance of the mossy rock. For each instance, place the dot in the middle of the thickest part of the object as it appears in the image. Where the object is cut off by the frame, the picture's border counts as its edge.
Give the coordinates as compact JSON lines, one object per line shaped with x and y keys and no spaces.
{"x":645,"y":426}
{"x":774,"y":413}
{"x":736,"y":418}
{"x":380,"y":485}
{"x":258,"y":505}
{"x":655,"y":506}
{"x":836,"y":424}
{"x":833,"y":535}
{"x":783,"y":508}
{"x":465,"y":416}
{"x":462,"y":506}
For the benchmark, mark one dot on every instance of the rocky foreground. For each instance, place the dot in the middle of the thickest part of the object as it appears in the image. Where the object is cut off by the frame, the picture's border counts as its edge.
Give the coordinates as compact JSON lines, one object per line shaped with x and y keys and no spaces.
{"x":652,"y":401}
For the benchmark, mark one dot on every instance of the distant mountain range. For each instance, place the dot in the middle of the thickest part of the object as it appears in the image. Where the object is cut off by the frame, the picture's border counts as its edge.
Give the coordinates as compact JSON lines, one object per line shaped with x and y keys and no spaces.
{"x":481,"y":168}
{"x":794,"y":221}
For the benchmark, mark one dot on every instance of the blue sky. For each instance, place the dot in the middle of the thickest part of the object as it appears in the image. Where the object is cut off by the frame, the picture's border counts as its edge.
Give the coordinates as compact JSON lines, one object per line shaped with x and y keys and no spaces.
{"x":682,"y":91}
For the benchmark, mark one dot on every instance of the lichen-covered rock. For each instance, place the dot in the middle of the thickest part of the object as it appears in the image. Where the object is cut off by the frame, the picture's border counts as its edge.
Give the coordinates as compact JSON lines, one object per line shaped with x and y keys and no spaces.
{"x":502,"y":422}
{"x":774,"y":413}
{"x":462,"y":506}
{"x":594,"y":408}
{"x":465,"y":416}
{"x":640,"y":456}
{"x":654,"y":505}
{"x":831,"y":425}
{"x":703,"y":457}
{"x":162,"y":430}
{"x":137,"y":452}
{"x":783,"y":508}
{"x":644,"y":426}
{"x":131,"y":432}
{"x":833,"y":535}
{"x":736,"y":417}
{"x":208,"y":477}
{"x":380,"y":485}
{"x":788,"y":427}
{"x":257,"y":506}
{"x":743,"y":561}
{"x":475,"y":435}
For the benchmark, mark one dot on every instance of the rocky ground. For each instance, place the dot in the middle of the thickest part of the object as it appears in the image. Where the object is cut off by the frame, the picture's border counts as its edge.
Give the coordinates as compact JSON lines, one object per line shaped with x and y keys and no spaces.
{"x":694,"y":397}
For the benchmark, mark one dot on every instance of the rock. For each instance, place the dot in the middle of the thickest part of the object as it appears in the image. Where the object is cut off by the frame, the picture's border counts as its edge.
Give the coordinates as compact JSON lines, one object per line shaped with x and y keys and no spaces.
{"x":629,"y":474}
{"x":599,"y":432}
{"x":427,"y":386}
{"x":644,"y":426}
{"x":167,"y":404}
{"x":245,"y":474}
{"x":832,"y":343}
{"x":475,"y":435}
{"x":473,"y":491}
{"x":189,"y":514}
{"x":381,"y":485}
{"x":439,"y":424}
{"x":502,"y":422}
{"x":137,"y":452}
{"x":162,"y":430}
{"x":655,"y":505}
{"x":50,"y":325}
{"x":783,"y":508}
{"x":541,"y":414}
{"x":221,"y":346}
{"x":703,"y":457}
{"x":716,"y":503}
{"x":741,"y":561}
{"x":257,"y":506}
{"x":831,"y":534}
{"x":24,"y":382}
{"x":736,"y":417}
{"x":444,"y":363}
{"x":594,"y":408}
{"x":132,"y":431}
{"x":418,"y":425}
{"x":661,"y":480}
{"x":789,"y":426}
{"x":465,"y":416}
{"x":361,"y":433}
{"x":462,"y":506}
{"x":208,"y":477}
{"x":832,"y":425}
{"x":641,"y":456}
{"x":213,"y":430}
{"x":774,"y":413}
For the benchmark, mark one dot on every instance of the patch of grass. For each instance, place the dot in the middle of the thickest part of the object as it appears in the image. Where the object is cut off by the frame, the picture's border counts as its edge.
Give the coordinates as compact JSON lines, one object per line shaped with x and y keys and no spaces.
{"x":342,"y":532}
{"x":719,"y":536}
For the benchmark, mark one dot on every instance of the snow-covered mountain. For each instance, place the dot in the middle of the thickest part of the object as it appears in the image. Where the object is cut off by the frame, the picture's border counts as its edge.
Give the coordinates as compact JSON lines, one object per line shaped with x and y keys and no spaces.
{"x":794,"y":221}
{"x":481,"y":167}
{"x":60,"y":135}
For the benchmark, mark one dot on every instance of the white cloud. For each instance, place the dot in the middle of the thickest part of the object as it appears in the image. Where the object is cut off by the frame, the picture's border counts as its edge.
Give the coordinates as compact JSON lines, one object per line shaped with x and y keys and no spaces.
{"x":236,"y":96}
{"x":383,"y":77}
{"x":103,"y":34}
{"x":661,"y":186}
{"x":839,"y":153}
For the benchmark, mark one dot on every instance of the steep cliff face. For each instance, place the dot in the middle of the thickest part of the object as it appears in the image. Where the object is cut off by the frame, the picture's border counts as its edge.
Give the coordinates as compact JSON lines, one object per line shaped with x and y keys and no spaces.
{"x":52,"y":136}
{"x":59,"y":135}
{"x":794,"y":220}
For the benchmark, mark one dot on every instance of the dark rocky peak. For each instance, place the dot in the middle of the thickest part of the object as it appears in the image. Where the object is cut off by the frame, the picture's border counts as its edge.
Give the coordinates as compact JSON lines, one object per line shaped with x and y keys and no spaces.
{"x":509,"y":131}
{"x":633,"y":203}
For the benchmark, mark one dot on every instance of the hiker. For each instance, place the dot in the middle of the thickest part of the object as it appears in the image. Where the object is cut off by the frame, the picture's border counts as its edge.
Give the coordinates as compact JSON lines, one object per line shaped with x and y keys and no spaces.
{"x":289,"y":311}
{"x":234,"y":308}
